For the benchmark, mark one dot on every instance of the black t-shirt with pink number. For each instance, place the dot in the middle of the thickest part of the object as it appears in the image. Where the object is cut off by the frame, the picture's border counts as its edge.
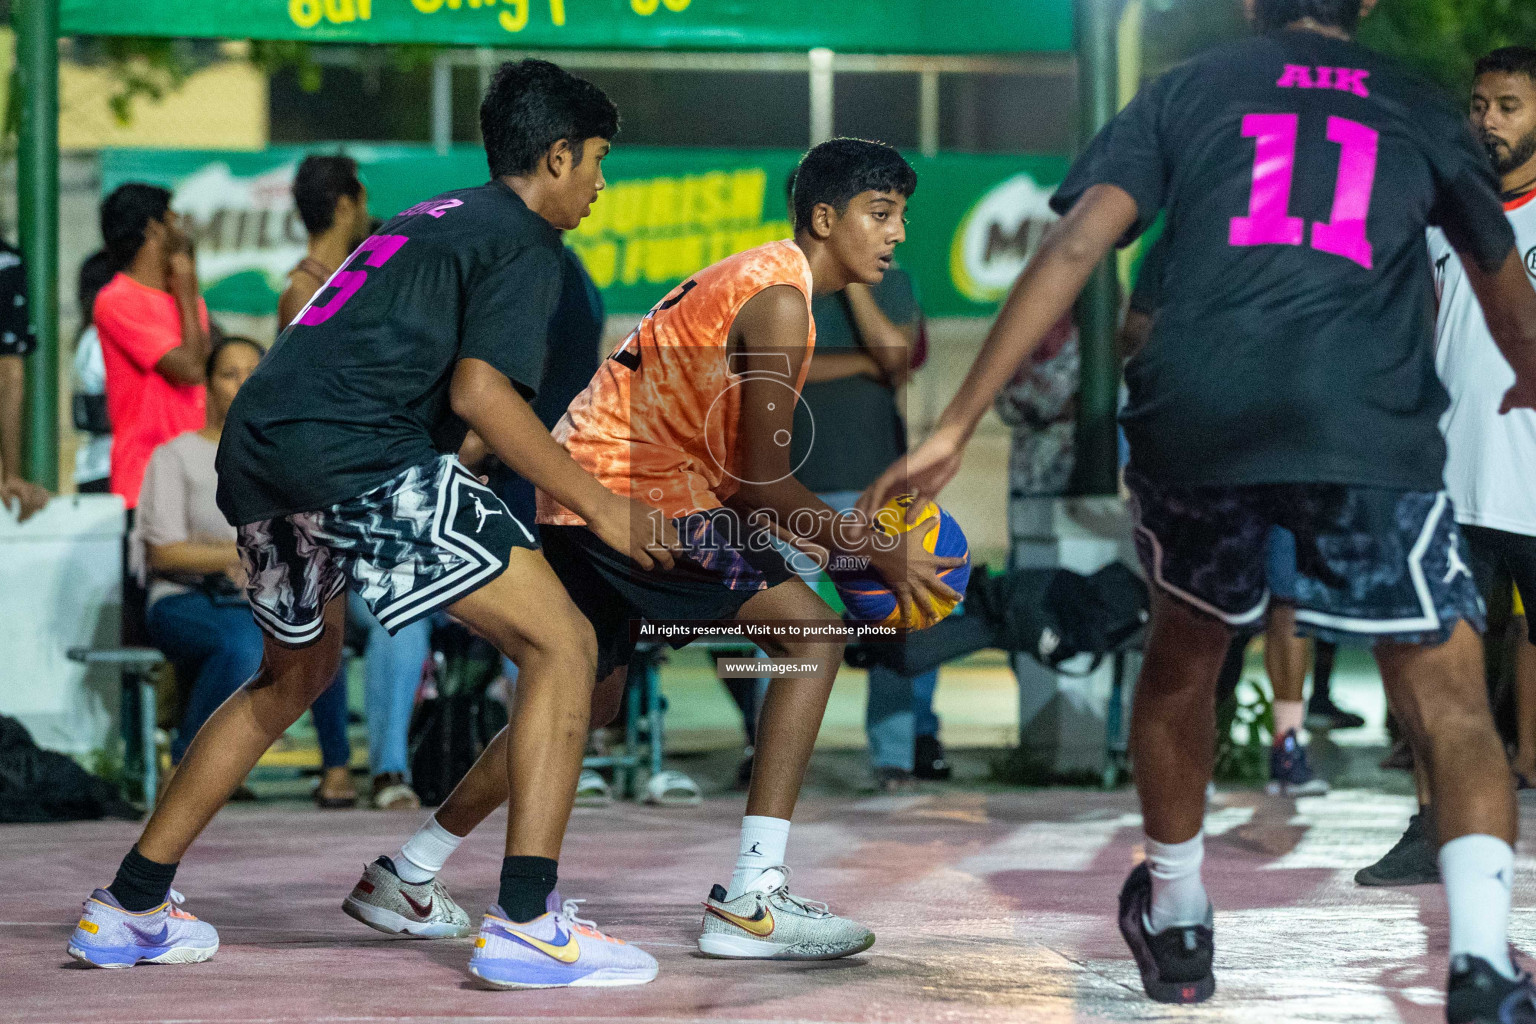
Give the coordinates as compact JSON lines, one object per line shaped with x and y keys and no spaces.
{"x":1294,"y":337}
{"x":356,"y":390}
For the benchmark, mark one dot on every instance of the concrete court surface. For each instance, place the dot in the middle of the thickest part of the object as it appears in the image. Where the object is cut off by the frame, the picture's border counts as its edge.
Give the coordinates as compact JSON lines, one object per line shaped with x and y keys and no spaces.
{"x":989,"y":906}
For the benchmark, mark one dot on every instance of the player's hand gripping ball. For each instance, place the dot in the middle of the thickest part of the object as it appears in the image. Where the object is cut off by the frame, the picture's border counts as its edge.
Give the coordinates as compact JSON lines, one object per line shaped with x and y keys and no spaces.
{"x":865,"y":594}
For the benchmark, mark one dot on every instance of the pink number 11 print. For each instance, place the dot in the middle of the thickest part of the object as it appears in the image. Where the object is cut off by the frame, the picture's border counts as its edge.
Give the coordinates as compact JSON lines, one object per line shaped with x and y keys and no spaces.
{"x":1274,"y":170}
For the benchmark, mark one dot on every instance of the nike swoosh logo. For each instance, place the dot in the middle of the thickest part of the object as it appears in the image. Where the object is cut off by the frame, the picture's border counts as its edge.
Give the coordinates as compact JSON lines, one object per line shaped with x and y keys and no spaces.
{"x":566,"y":953}
{"x":761,"y":926}
{"x":150,"y":939}
{"x":422,"y":910}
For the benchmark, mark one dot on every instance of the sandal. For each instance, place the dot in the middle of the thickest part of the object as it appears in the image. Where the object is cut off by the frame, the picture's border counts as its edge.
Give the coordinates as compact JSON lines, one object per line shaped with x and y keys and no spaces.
{"x":673,"y":789}
{"x":334,"y":791}
{"x":592,"y":790}
{"x":392,"y":793}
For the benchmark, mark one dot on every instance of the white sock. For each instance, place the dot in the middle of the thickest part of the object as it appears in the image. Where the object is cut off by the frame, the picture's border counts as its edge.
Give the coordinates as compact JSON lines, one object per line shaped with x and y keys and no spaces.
{"x":1478,"y":872}
{"x":763,"y":840}
{"x":1178,"y":894}
{"x":1289,"y":717}
{"x":425,"y":853}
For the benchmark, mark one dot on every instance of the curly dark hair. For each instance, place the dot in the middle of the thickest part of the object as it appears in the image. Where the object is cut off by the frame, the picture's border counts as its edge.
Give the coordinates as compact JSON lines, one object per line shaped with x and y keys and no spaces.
{"x":1511,"y":60}
{"x":839,"y":169}
{"x":319,"y":182}
{"x":126,"y":213}
{"x":533,"y":104}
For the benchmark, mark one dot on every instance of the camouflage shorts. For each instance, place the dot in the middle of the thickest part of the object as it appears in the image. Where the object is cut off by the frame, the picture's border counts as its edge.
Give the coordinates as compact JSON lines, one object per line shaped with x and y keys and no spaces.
{"x":1371,"y":562}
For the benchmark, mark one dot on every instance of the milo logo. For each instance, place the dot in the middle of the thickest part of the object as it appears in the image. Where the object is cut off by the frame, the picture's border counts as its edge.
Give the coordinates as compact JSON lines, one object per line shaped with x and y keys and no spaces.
{"x":998,"y":237}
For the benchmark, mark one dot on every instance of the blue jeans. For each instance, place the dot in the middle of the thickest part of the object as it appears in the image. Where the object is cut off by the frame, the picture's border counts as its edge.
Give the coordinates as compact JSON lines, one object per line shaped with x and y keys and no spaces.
{"x":392,"y":674}
{"x":900,"y":707}
{"x":219,"y":648}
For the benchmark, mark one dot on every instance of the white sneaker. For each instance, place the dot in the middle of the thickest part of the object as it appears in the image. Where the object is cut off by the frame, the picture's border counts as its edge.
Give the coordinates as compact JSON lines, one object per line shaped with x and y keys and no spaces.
{"x":384,"y":901}
{"x":767,"y":923}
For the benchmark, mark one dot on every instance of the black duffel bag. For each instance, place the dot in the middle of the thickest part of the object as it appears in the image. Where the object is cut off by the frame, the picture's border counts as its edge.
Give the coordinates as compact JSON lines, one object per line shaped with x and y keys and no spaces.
{"x":1052,"y":615}
{"x":42,"y":785}
{"x":449,"y":731}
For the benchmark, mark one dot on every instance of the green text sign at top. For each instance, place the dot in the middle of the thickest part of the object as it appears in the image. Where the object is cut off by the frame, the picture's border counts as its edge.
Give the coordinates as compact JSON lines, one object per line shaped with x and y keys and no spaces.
{"x":854,"y":26}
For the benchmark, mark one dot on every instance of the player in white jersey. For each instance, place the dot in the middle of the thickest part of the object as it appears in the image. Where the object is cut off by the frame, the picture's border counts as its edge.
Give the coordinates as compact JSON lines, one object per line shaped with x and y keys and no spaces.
{"x":1490,"y":466}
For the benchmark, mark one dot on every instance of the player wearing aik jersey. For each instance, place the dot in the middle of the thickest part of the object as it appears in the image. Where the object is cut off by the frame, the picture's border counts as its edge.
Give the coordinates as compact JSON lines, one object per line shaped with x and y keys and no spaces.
{"x":337,"y":465}
{"x":1289,"y":380}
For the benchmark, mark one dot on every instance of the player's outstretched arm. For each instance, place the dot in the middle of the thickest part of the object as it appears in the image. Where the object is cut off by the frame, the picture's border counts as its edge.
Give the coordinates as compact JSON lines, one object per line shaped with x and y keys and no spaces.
{"x":1509,"y":306}
{"x":483,"y":398}
{"x":775,"y":322}
{"x":1041,"y":296}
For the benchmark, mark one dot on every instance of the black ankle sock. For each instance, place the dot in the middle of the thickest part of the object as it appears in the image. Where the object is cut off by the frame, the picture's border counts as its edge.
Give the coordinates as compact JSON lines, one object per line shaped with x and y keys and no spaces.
{"x":141,"y":884}
{"x":526,"y":883}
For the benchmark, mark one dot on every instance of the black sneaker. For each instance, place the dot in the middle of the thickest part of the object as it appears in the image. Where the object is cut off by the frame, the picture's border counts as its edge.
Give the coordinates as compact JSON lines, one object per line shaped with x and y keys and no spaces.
{"x":1289,"y":772}
{"x":1412,"y":861}
{"x":1478,"y":994}
{"x":928,"y":759}
{"x":1176,"y":962}
{"x":1325,"y":714}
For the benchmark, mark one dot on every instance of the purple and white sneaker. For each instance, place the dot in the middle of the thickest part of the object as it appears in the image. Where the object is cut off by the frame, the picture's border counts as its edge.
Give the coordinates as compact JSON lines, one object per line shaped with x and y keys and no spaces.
{"x":109,"y":936}
{"x":555,"y":950}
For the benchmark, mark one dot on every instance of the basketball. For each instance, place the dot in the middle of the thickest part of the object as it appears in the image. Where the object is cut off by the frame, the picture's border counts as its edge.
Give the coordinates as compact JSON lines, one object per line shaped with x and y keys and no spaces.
{"x":864,"y":593}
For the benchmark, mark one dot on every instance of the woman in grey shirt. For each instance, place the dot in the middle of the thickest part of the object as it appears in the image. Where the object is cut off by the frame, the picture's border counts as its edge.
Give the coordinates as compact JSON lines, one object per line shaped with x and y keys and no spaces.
{"x":197,"y":612}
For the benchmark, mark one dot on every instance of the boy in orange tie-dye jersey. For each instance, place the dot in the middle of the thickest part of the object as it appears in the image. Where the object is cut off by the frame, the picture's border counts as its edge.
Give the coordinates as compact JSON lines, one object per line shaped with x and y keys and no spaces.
{"x":692,"y":415}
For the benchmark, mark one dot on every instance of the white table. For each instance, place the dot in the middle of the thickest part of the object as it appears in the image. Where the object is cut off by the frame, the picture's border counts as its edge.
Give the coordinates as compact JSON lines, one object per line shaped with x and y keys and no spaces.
{"x":60,"y":587}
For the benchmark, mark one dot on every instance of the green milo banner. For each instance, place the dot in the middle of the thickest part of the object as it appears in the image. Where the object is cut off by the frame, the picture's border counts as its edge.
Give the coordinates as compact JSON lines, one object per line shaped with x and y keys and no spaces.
{"x":666,"y":213}
{"x":858,"y":26}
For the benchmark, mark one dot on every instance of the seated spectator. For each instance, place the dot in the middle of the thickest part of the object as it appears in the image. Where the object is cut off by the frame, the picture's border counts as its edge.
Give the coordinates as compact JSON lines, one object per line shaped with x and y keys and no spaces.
{"x":392,"y":670}
{"x":154,"y":331}
{"x":197,"y":611}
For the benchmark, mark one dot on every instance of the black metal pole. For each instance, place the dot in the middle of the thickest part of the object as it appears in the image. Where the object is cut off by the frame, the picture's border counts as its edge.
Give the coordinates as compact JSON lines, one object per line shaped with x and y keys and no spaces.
{"x":37,"y":160}
{"x":1098,"y":309}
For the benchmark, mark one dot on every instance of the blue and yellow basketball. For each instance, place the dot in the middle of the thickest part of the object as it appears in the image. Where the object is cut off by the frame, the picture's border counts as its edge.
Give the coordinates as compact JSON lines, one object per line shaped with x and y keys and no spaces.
{"x":864,"y":593}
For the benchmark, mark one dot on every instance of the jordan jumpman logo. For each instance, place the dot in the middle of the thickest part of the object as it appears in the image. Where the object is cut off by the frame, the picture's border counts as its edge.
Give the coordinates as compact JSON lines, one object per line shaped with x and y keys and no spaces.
{"x":481,"y":513}
{"x":1456,"y":565}
{"x":754,"y":852}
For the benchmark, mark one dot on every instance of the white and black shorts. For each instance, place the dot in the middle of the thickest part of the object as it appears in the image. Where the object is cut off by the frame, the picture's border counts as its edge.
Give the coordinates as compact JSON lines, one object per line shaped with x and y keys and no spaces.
{"x":410,"y":546}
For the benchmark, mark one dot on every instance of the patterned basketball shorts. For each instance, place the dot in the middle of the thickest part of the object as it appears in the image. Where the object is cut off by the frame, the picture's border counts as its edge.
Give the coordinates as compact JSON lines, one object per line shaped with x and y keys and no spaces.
{"x":1370,"y":562}
{"x":410,"y":546}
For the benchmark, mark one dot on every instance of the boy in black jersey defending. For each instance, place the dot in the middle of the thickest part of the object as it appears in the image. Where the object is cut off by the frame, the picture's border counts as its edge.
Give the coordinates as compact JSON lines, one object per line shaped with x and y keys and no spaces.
{"x":1289,"y":381}
{"x":338,"y":466}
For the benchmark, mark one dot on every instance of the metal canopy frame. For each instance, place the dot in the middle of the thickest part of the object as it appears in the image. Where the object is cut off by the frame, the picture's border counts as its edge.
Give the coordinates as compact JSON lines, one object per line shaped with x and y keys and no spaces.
{"x":820,"y":65}
{"x":1095,"y":21}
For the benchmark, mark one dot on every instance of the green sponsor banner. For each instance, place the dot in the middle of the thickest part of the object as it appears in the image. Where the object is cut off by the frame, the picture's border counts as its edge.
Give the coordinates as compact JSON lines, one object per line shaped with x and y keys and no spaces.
{"x":856,"y":26}
{"x":666,"y":213}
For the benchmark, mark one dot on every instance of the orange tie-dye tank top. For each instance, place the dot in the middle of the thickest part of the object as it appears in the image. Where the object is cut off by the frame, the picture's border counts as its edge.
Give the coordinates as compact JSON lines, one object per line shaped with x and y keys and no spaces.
{"x":659,"y":420}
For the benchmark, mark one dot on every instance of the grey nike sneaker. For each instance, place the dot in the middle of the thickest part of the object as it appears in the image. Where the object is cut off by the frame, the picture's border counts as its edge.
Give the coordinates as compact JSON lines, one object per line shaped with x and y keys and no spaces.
{"x":384,"y":901}
{"x":767,"y":923}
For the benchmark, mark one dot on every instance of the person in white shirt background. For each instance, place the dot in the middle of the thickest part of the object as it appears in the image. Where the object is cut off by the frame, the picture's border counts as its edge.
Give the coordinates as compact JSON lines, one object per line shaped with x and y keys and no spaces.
{"x":1491,"y":454}
{"x":93,"y":456}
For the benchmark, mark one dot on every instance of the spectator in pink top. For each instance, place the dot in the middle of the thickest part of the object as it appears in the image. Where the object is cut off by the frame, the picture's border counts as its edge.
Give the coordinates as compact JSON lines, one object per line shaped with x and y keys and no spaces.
{"x":154,"y":331}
